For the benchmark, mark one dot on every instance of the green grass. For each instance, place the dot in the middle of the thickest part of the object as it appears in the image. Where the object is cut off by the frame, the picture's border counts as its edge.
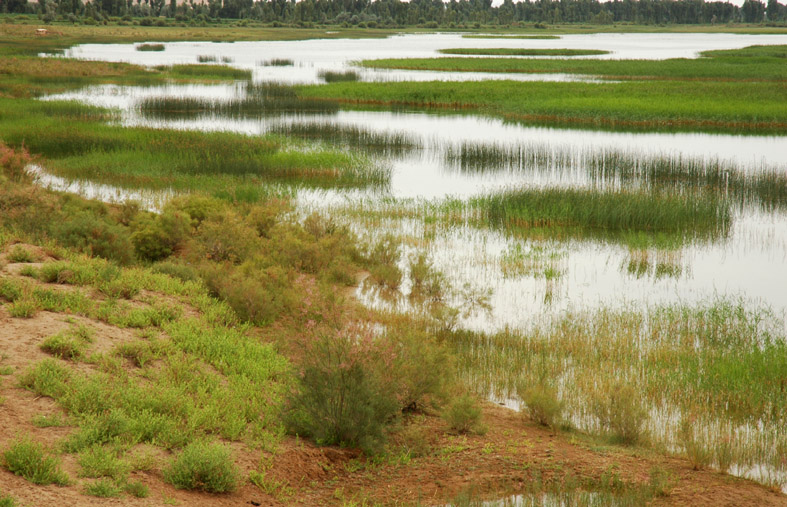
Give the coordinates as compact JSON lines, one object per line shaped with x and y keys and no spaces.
{"x":653,"y":105}
{"x":204,"y":466}
{"x":754,"y":63}
{"x":508,"y":37}
{"x":171,"y":159}
{"x":521,"y":52}
{"x":604,"y":213}
{"x":30,"y":460}
{"x":276,"y":62}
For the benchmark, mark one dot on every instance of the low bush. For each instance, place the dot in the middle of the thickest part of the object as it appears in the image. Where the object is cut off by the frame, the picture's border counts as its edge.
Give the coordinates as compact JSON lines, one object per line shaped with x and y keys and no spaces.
{"x":21,"y":254}
{"x":344,"y":393}
{"x":95,"y":236}
{"x":464,"y":415}
{"x":618,"y":407}
{"x":205,"y":466}
{"x":30,"y":460}
{"x":542,"y":404}
{"x":103,"y":488}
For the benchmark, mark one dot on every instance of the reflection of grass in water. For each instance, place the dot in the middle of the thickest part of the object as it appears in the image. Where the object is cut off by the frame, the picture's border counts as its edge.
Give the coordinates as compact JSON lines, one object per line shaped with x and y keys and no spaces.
{"x":657,"y":264}
{"x":352,"y":136}
{"x":276,"y":62}
{"x":589,"y":212}
{"x":720,"y":363}
{"x":150,"y":47}
{"x":507,"y":37}
{"x":330,"y":76}
{"x":653,"y":172}
{"x":537,"y":261}
{"x":522,"y":51}
{"x":219,"y":72}
{"x":259,"y":100}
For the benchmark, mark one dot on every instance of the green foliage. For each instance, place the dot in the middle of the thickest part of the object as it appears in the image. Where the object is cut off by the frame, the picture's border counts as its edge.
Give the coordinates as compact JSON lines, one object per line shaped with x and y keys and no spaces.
{"x":20,"y":254}
{"x":330,"y":76}
{"x":7,"y":501}
{"x":30,"y":460}
{"x":345,"y":393}
{"x":47,"y":378}
{"x":157,"y":237}
{"x":103,"y":488}
{"x":542,"y":404}
{"x":23,"y":308}
{"x":96,"y":236}
{"x":102,"y":461}
{"x":136,"y":489}
{"x":205,"y":466}
{"x":619,"y":409}
{"x":464,"y":415}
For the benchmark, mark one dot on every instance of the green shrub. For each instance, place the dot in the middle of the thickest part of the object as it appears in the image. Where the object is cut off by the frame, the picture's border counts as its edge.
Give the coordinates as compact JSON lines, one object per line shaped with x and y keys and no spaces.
{"x":95,"y":236}
{"x":6,"y":501}
{"x":620,"y":411}
{"x":206,"y":466}
{"x":23,"y":308}
{"x":344,"y":393}
{"x":29,"y":460}
{"x":10,"y":290}
{"x":464,"y":415}
{"x":696,"y":451}
{"x":542,"y":404}
{"x":102,"y":461}
{"x":56,"y":272}
{"x":21,"y":254}
{"x":176,"y":270}
{"x":65,"y":346}
{"x":423,"y":369}
{"x":47,"y":378}
{"x":136,"y":489}
{"x":103,"y":488}
{"x":156,"y":237}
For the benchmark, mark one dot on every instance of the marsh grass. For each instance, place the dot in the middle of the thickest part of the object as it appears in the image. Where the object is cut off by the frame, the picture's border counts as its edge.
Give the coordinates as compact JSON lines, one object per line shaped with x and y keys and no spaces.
{"x":507,"y":37}
{"x":207,"y":58}
{"x":276,"y":62}
{"x":202,"y":71}
{"x":387,"y":143}
{"x":522,"y":52}
{"x":600,"y":213}
{"x":330,"y":76}
{"x":627,"y":372}
{"x":149,"y":47}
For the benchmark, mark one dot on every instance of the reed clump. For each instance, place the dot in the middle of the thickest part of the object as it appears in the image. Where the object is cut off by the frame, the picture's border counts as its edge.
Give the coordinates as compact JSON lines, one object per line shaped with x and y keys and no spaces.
{"x":330,"y":76}
{"x":150,"y":47}
{"x":352,"y":136}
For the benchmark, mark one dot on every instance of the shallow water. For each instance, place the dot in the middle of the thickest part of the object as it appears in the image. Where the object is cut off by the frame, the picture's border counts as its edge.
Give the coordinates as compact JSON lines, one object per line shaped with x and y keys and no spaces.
{"x":750,"y":262}
{"x":312,"y":56}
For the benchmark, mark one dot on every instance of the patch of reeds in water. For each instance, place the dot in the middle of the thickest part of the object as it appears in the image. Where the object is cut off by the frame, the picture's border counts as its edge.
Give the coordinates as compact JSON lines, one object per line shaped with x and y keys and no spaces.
{"x":150,"y":47}
{"x":248,"y":106}
{"x":709,"y":365}
{"x":766,"y":186}
{"x":276,"y":62}
{"x":385,"y":143}
{"x":205,"y":71}
{"x":330,"y":76}
{"x":207,"y":58}
{"x":601,"y":213}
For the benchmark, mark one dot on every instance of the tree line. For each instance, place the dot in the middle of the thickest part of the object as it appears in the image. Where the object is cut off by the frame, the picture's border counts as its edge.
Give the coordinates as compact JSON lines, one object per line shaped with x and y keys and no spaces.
{"x":425,"y":13}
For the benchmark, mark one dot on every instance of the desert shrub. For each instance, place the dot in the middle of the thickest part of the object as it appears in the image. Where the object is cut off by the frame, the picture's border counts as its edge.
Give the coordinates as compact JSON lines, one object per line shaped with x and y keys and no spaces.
{"x":10,"y":290}
{"x":696,"y":451}
{"x":206,"y":466}
{"x":263,"y":217}
{"x":102,"y":461}
{"x":176,"y":270}
{"x":620,"y":412}
{"x":20,"y":254}
{"x":136,"y":489}
{"x":65,"y":345}
{"x":23,"y":308}
{"x":30,"y":460}
{"x":103,"y":488}
{"x":14,"y":162}
{"x":415,"y":440}
{"x":542,"y":404}
{"x":56,"y":272}
{"x":224,"y":237}
{"x":256,"y":295}
{"x":95,"y":236}
{"x":47,"y":378}
{"x":422,"y":369}
{"x":344,"y":394}
{"x":156,"y":237}
{"x":464,"y":415}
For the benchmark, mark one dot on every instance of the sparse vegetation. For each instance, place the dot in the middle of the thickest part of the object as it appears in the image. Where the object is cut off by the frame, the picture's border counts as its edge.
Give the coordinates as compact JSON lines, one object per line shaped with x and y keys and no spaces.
{"x":30,"y":460}
{"x":204,"y":466}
